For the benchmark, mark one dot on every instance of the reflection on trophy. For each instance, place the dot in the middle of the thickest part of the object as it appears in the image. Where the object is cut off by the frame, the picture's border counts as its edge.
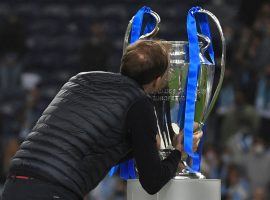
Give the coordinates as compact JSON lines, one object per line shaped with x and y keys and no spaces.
{"x":170,"y":102}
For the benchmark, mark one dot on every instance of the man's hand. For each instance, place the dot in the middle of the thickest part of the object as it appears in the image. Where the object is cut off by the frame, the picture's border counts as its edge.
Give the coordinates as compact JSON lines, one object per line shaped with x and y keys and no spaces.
{"x":197,"y":135}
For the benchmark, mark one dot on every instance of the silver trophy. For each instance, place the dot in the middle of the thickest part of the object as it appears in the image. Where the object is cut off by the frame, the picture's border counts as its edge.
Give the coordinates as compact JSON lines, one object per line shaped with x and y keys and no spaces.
{"x":170,"y":102}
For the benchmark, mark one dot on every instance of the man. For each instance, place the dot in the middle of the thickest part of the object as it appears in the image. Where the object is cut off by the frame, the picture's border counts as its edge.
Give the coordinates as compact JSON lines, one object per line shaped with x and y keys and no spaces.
{"x":96,"y":120}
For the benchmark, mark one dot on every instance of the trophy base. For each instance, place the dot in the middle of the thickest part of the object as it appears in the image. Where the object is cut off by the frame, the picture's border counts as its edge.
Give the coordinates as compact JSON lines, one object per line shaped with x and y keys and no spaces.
{"x":178,"y":189}
{"x":188,"y":175}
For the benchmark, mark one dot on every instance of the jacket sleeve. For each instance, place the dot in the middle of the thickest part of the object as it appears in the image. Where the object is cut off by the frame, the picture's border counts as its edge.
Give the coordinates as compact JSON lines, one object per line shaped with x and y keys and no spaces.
{"x":142,"y":125}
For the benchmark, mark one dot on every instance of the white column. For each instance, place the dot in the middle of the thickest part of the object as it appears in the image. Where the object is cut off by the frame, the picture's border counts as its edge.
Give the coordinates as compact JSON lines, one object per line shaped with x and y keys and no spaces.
{"x":186,"y":189}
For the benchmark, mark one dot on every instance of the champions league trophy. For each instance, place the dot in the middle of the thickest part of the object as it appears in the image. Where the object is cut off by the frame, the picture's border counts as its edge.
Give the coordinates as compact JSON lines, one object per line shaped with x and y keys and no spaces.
{"x":186,"y":99}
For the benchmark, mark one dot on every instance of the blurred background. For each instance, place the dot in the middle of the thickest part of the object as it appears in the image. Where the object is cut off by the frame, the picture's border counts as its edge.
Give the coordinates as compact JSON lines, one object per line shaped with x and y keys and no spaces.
{"x":44,"y":42}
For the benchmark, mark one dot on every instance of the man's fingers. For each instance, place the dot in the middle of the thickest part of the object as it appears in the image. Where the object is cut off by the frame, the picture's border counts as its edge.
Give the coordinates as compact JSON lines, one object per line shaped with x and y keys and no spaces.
{"x":195,"y":126}
{"x":197,"y":135}
{"x":177,"y":141}
{"x":181,"y":134}
{"x":195,"y":146}
{"x":196,"y":139}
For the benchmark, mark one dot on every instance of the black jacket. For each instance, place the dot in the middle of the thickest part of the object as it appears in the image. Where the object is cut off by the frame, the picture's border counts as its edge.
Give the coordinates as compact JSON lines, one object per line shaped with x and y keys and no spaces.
{"x":81,"y":134}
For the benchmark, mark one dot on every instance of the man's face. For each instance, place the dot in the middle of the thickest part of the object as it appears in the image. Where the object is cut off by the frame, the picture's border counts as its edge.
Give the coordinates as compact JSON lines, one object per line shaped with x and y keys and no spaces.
{"x":164,"y":79}
{"x":161,"y":81}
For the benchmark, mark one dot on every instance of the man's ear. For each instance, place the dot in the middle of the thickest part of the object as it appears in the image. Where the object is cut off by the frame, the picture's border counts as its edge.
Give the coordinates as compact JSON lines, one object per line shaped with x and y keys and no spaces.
{"x":157,"y":82}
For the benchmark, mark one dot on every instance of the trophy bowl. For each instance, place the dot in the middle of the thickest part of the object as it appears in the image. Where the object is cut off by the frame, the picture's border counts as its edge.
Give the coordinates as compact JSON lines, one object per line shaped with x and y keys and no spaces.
{"x":175,"y":94}
{"x":177,"y":80}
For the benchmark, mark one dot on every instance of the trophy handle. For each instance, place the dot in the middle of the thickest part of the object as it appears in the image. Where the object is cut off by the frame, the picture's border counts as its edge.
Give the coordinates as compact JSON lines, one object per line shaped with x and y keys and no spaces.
{"x":148,"y":35}
{"x":222,"y":64}
{"x":205,"y":40}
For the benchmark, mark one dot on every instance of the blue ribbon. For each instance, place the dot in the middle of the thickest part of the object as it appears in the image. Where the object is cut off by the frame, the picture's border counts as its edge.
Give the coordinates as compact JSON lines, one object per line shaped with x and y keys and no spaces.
{"x":137,"y":24}
{"x":114,"y":170}
{"x":127,"y":168}
{"x":191,"y":88}
{"x":205,"y":30}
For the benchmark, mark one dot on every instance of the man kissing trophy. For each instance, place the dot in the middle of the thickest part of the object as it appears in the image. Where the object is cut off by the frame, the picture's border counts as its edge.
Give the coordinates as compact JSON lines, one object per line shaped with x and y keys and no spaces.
{"x":185,"y":100}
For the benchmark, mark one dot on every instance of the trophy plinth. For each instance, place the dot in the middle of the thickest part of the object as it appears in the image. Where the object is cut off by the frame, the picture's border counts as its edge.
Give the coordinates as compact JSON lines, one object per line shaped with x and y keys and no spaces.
{"x":187,"y":189}
{"x":183,"y":173}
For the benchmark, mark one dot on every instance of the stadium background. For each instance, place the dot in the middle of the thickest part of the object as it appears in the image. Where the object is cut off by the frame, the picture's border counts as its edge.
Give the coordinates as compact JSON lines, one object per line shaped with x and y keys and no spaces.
{"x":44,"y":42}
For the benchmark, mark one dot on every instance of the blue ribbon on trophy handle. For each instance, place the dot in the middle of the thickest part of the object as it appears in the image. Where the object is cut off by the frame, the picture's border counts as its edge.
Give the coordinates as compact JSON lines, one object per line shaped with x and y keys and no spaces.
{"x":133,"y":33}
{"x":134,"y":29}
{"x":194,"y":14}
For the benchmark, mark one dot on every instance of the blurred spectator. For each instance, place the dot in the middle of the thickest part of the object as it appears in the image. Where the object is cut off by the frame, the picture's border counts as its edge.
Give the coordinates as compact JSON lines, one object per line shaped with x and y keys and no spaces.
{"x":242,"y":119}
{"x":10,"y":76}
{"x":12,"y":146}
{"x":211,"y":165}
{"x":257,"y":164}
{"x":30,"y":80}
{"x":248,"y":11}
{"x":96,"y":50}
{"x":12,"y":48}
{"x":245,"y":61}
{"x":259,"y":194}
{"x":11,"y":118}
{"x":260,"y":55}
{"x":12,"y":36}
{"x":33,"y":110}
{"x":261,"y":24}
{"x":263,"y":103}
{"x":236,"y":186}
{"x":226,"y":96}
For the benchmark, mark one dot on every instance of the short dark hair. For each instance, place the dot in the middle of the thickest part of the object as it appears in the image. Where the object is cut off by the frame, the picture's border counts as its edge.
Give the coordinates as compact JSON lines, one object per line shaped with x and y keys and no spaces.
{"x":145,"y":60}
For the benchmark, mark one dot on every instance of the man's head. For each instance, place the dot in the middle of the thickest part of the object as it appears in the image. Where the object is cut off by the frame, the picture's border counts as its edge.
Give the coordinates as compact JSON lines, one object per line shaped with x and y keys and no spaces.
{"x":146,"y":62}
